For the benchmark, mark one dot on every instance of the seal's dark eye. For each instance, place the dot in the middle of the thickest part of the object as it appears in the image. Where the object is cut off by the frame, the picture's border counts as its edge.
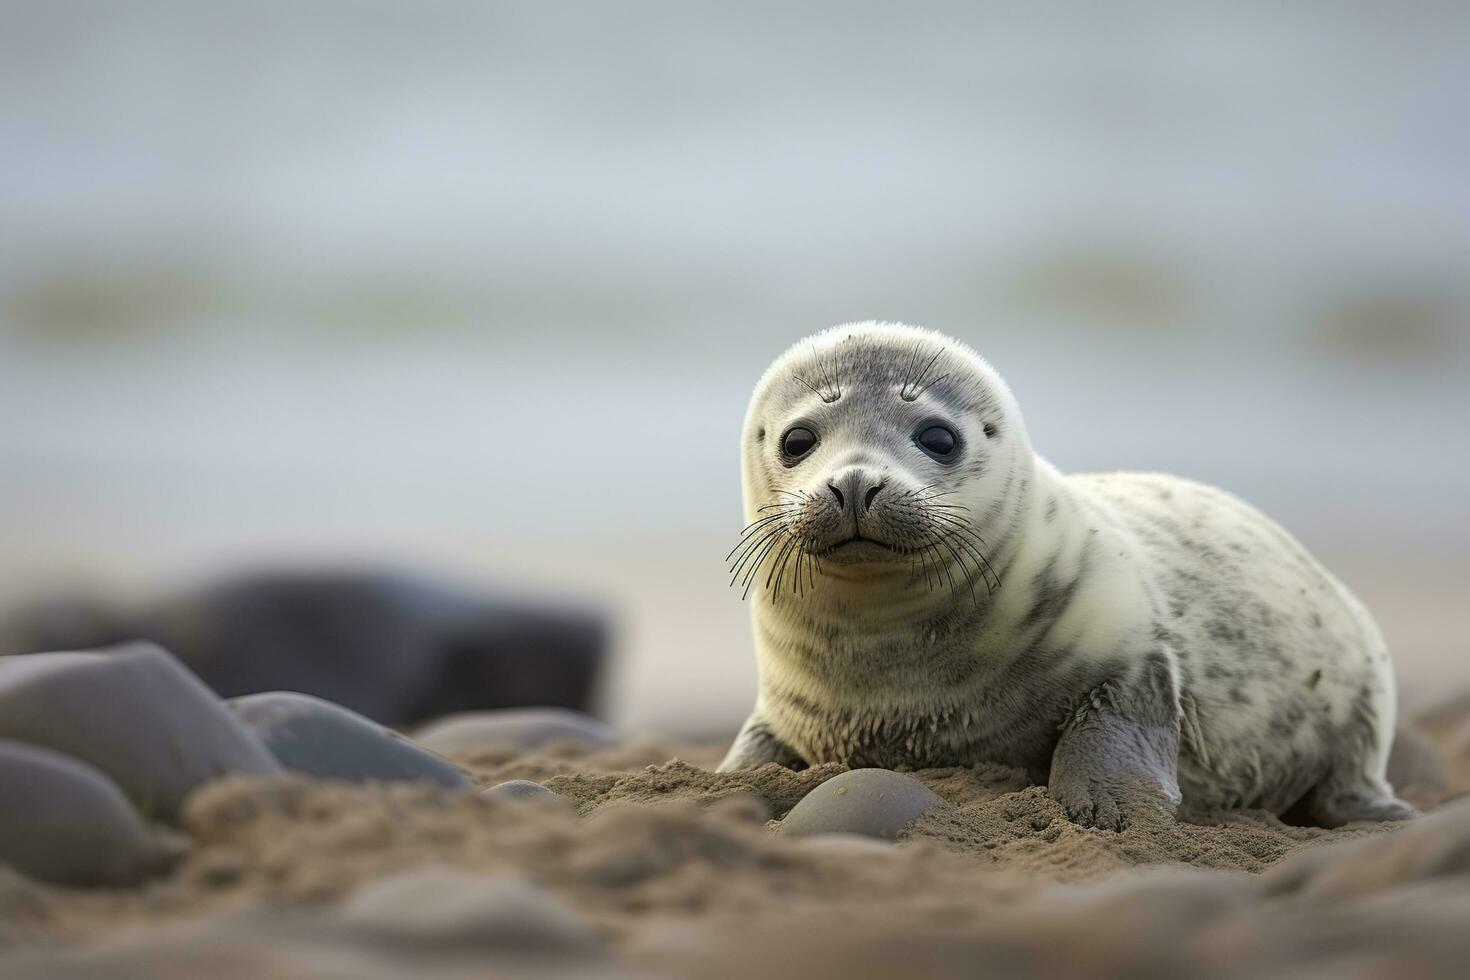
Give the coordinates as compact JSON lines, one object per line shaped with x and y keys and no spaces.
{"x":798,"y":442}
{"x":937,"y":441}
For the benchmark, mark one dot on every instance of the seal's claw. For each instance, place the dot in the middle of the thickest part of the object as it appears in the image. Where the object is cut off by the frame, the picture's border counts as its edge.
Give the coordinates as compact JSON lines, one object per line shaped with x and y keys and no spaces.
{"x":1093,"y":803}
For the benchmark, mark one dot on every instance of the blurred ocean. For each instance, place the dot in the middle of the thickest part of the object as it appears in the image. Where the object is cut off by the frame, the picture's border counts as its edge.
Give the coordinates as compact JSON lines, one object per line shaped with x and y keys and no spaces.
{"x":484,"y":287}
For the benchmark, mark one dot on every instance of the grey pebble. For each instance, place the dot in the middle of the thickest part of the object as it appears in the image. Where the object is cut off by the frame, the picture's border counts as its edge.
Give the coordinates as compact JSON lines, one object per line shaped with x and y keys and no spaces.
{"x":133,"y":712}
{"x":64,"y":821}
{"x":871,"y":802}
{"x":523,"y":727}
{"x":318,"y":738}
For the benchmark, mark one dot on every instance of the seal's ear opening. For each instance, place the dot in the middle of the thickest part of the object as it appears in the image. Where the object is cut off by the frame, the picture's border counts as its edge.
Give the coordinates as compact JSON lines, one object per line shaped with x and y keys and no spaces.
{"x":991,"y":430}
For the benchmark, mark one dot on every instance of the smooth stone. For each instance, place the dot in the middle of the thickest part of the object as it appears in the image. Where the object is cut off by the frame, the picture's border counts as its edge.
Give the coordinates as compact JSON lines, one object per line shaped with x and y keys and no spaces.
{"x":871,"y":802}
{"x":1414,"y":762}
{"x":444,"y":905}
{"x":524,"y":727}
{"x":133,"y":712}
{"x":521,"y":789}
{"x":400,"y":648}
{"x":318,"y":738}
{"x":65,"y":822}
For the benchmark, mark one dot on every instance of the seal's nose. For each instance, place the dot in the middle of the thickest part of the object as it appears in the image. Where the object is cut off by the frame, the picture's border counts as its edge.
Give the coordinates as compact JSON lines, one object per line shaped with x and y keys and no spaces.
{"x":855,"y":488}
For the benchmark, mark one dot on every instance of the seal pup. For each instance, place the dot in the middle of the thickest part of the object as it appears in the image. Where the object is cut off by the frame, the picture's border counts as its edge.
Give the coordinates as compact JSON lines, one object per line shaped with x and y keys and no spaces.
{"x":930,"y":592}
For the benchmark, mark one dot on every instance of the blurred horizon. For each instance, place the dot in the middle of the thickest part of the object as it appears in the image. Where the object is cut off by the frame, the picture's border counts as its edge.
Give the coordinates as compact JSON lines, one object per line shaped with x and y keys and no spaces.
{"x":483,"y":288}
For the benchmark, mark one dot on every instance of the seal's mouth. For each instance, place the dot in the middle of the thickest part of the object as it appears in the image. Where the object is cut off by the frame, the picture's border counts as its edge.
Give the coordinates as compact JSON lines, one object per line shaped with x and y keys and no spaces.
{"x":860,"y":549}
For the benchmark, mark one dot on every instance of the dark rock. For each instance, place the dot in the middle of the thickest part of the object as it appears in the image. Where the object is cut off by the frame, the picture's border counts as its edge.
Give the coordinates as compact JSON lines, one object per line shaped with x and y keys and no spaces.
{"x":525,"y":727}
{"x":873,"y":802}
{"x":135,"y":713}
{"x":64,"y":821}
{"x":318,"y":738}
{"x":397,"y":648}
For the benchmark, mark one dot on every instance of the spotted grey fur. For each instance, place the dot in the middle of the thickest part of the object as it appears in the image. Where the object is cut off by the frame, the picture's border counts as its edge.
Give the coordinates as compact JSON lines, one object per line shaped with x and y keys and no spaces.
{"x":1130,"y":639}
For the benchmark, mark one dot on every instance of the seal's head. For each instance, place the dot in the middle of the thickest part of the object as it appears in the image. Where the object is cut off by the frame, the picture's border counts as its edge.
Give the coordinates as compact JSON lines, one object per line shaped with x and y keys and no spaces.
{"x":879,"y":455}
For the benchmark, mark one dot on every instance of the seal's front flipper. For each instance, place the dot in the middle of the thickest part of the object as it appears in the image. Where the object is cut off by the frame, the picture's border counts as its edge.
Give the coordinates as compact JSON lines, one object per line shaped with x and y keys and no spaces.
{"x":1115,"y":760}
{"x":756,"y":745}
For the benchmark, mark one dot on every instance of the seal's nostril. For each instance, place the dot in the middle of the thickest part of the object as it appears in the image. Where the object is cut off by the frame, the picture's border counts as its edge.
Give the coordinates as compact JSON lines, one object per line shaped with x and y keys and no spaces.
{"x":838,"y":494}
{"x":868,"y":497}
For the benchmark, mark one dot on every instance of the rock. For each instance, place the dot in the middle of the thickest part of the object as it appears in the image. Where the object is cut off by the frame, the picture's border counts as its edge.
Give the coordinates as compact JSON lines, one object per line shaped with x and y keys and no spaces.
{"x":443,"y":905}
{"x":318,"y":738}
{"x":397,"y":648}
{"x":524,"y":727}
{"x":522,"y":789}
{"x":133,"y":712}
{"x":63,"y":821}
{"x":873,"y":802}
{"x":1414,"y":764}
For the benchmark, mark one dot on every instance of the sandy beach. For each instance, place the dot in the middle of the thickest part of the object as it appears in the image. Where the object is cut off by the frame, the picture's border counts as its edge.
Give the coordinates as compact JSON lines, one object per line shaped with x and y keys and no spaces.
{"x":647,"y":863}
